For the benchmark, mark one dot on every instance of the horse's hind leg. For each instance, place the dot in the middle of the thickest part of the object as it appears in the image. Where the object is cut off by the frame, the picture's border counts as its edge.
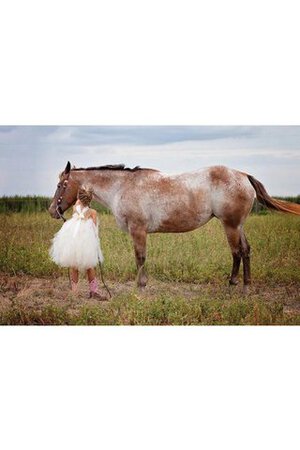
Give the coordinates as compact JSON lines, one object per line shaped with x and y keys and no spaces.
{"x":246,"y":262}
{"x":240,"y":249}
{"x":139,"y":237}
{"x":234,"y":240}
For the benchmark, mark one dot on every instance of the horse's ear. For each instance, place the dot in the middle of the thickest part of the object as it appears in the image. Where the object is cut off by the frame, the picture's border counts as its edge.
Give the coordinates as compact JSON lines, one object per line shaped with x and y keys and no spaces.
{"x":68,"y":168}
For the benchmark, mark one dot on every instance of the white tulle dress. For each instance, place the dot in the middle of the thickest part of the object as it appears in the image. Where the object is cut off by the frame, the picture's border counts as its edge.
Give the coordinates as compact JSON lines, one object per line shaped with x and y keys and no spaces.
{"x":77,"y":242}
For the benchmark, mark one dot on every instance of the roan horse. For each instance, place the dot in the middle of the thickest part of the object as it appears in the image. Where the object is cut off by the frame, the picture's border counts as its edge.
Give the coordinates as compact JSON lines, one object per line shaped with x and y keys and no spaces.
{"x":148,"y":201}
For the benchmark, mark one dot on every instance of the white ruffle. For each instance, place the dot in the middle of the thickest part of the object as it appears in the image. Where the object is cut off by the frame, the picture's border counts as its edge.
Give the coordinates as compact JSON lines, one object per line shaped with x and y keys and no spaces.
{"x":77,"y":244}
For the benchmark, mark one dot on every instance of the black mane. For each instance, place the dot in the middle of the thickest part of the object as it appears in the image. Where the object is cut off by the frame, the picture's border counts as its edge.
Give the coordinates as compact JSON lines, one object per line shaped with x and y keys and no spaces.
{"x":111,"y":167}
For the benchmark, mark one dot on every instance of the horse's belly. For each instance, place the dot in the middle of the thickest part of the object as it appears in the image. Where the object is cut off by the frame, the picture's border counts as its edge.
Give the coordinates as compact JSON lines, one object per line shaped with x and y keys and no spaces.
{"x":182,"y":221}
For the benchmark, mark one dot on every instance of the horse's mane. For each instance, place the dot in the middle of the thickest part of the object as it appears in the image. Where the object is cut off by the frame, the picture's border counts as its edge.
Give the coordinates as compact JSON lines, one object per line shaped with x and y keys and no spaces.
{"x":113,"y":167}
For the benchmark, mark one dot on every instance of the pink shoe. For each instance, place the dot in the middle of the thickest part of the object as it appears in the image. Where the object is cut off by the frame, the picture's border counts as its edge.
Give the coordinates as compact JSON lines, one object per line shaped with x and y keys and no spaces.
{"x":94,"y":293}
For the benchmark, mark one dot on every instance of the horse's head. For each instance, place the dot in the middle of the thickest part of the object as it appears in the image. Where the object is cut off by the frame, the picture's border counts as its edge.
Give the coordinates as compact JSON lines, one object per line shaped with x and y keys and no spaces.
{"x":65,"y":194}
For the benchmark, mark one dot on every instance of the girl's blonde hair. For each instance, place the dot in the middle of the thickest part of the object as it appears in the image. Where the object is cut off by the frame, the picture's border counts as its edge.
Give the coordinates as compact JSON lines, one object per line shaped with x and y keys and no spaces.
{"x":85,"y":195}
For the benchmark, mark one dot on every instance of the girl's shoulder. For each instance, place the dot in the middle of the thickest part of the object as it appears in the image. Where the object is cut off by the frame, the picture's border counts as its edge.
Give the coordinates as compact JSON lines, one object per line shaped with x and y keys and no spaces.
{"x":93,"y":211}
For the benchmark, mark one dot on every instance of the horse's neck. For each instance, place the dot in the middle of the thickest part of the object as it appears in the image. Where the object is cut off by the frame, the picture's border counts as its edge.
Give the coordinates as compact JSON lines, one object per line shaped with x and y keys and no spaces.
{"x":105,"y":184}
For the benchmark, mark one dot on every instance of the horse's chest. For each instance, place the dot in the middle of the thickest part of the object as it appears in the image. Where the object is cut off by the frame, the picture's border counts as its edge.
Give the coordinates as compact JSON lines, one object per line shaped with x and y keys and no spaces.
{"x":122,"y":221}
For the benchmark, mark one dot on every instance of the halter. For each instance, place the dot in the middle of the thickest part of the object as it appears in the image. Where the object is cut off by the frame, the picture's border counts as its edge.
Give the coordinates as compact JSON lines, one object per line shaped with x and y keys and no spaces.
{"x":59,"y":200}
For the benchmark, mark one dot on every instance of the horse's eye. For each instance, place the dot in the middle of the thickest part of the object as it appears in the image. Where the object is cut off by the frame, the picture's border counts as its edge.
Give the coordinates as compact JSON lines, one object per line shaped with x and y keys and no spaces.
{"x":58,"y":186}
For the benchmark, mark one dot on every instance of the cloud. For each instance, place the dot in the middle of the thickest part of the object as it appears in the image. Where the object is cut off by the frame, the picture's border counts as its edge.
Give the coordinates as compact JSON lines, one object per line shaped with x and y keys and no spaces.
{"x":34,"y":155}
{"x":133,"y":135}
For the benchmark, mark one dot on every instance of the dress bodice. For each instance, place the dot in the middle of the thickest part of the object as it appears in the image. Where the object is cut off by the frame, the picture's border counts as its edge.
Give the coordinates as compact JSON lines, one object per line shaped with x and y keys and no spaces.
{"x":80,"y":212}
{"x":81,"y":220}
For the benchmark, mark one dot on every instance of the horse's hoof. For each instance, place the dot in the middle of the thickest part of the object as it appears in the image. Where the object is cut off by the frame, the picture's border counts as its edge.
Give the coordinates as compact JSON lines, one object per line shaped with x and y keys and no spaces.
{"x":142,"y":282}
{"x":246,"y":289}
{"x":233,"y":282}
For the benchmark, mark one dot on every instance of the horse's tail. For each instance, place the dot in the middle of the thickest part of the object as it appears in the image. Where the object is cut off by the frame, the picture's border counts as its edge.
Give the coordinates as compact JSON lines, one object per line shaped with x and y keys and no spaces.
{"x":265,"y":199}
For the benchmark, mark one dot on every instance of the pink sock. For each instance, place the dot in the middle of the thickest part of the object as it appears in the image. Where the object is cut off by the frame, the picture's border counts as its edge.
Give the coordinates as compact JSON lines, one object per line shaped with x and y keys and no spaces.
{"x":94,"y":286}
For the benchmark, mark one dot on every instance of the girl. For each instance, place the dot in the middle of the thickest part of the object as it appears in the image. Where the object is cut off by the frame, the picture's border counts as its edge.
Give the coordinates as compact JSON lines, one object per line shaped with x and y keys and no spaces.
{"x":77,"y":246}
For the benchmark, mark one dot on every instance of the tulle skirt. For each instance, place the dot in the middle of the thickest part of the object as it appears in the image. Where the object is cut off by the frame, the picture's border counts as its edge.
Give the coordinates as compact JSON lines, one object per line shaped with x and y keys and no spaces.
{"x":77,"y":245}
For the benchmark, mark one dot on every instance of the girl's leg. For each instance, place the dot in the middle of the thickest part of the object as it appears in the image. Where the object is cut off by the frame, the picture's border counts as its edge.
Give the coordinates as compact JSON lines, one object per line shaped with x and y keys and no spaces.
{"x":91,"y":274}
{"x":74,"y":276}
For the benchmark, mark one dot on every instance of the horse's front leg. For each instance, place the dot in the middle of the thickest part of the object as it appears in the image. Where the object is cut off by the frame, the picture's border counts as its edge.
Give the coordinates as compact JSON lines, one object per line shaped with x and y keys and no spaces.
{"x":139,"y":236}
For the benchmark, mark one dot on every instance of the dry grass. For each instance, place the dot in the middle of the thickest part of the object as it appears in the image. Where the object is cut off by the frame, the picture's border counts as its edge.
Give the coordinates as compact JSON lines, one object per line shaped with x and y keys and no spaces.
{"x":28,"y":300}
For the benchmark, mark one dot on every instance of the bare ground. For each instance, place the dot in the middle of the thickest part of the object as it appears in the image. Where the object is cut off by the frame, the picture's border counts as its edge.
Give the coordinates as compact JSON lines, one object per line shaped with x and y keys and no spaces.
{"x":35,"y":293}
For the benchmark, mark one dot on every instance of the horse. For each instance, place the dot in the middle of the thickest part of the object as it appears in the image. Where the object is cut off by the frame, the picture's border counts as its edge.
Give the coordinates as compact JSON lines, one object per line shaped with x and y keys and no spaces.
{"x":148,"y":201}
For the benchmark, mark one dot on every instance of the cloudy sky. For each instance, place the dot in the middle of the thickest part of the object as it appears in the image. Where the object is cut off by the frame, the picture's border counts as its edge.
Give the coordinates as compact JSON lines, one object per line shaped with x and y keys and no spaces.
{"x":32,"y":156}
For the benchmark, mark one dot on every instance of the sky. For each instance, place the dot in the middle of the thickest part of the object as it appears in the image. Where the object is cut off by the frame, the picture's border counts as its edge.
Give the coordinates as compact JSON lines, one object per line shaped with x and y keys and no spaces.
{"x":31,"y":157}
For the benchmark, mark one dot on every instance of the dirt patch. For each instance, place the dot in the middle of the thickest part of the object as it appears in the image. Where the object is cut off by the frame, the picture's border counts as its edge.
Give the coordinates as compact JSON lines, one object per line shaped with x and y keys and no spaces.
{"x":36,"y":293}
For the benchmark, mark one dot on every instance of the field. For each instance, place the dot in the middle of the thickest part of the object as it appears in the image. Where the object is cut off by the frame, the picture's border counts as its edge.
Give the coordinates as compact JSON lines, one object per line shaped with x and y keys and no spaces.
{"x":188,"y":276}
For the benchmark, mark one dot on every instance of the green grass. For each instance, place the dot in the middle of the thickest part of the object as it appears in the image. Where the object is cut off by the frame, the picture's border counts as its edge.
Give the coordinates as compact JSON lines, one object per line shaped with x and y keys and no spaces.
{"x":197,"y":257}
{"x":188,"y":274}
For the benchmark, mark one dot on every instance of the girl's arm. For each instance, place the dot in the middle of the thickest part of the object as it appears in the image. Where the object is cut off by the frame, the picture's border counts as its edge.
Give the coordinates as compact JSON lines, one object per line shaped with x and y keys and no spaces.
{"x":94,"y":216}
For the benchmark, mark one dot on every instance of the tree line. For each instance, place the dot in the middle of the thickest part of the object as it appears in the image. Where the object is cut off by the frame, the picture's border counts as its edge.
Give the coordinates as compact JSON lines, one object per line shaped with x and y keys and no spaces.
{"x":34,"y":204}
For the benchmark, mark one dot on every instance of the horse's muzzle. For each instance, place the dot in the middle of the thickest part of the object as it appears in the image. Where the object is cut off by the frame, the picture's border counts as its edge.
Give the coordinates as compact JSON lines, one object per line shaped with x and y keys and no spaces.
{"x":53,"y":212}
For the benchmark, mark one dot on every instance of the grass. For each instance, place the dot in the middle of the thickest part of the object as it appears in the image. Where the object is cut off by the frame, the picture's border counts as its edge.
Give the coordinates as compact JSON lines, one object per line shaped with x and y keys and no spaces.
{"x":197,"y":257}
{"x":188,"y":276}
{"x":165,"y":310}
